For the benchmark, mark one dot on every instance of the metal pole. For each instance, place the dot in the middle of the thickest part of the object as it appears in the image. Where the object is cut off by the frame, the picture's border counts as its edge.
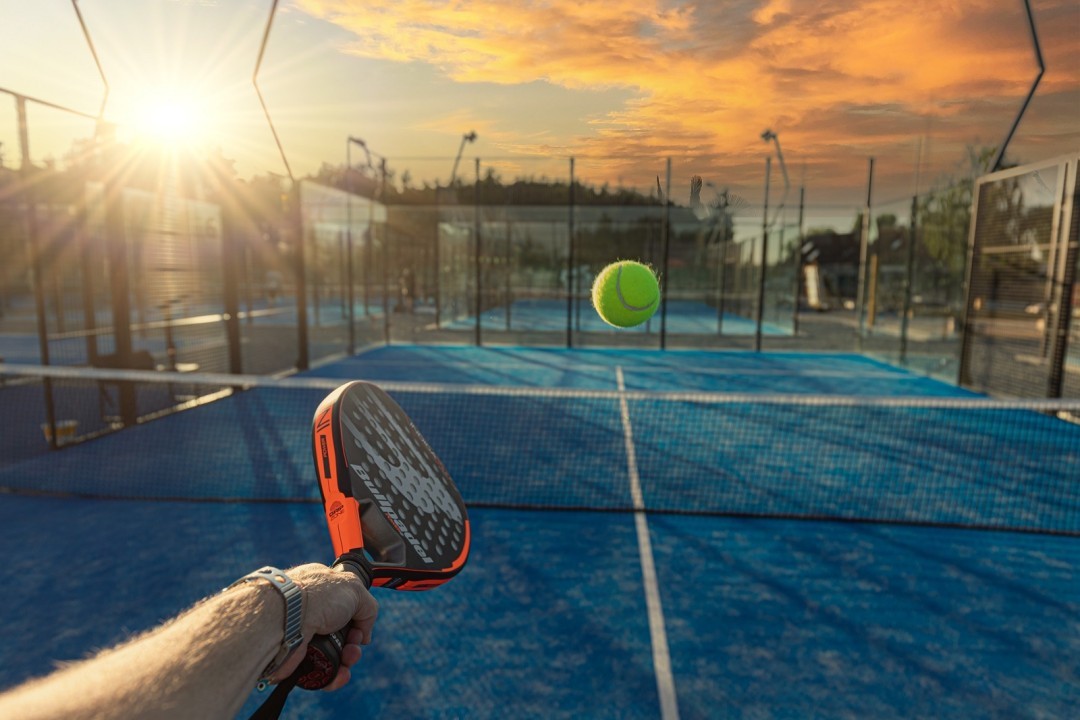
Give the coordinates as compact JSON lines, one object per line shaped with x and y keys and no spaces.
{"x":666,"y":243}
{"x":342,"y":278}
{"x":570,"y":265}
{"x":798,"y":264}
{"x":116,"y":253}
{"x":476,"y":235}
{"x":764,"y":259}
{"x":350,"y":312}
{"x":721,"y":270}
{"x":230,"y":258}
{"x":1031,"y":92}
{"x":29,"y":198}
{"x":509,"y":267}
{"x":1065,"y":280}
{"x":438,"y":268}
{"x":386,"y":254}
{"x":864,"y":245}
{"x":466,"y":138}
{"x":89,"y":260}
{"x":316,"y":279}
{"x":296,"y":221}
{"x":369,"y":253}
{"x":909,"y":277}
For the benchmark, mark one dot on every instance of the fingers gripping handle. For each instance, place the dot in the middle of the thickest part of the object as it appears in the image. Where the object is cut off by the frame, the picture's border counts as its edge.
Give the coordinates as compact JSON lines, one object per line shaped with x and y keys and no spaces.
{"x":320,"y":665}
{"x":323,"y":657}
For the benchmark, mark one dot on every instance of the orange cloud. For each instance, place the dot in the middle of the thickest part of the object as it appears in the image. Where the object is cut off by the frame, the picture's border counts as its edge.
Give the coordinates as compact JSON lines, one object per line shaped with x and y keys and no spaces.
{"x":832,"y":76}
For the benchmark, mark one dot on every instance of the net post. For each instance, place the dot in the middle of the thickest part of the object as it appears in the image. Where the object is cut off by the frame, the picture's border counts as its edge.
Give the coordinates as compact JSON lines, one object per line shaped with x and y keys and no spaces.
{"x":764,"y":259}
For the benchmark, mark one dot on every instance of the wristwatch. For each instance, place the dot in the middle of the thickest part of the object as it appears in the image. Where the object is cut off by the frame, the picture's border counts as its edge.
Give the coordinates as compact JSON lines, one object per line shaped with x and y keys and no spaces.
{"x":294,"y":611}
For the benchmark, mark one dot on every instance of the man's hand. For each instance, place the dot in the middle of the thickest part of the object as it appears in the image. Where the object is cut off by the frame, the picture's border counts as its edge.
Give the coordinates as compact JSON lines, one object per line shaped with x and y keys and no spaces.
{"x":333,"y":598}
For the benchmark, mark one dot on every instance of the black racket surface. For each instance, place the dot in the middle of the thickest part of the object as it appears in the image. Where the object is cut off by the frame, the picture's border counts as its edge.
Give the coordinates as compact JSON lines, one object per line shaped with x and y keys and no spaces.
{"x":387,"y":496}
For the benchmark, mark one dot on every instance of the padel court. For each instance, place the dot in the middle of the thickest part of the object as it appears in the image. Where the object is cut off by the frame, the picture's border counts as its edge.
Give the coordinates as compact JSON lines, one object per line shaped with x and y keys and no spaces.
{"x":693,"y":534}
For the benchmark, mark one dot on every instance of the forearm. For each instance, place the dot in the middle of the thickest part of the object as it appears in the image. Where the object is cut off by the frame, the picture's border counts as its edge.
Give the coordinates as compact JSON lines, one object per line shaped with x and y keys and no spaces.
{"x":203,"y":664}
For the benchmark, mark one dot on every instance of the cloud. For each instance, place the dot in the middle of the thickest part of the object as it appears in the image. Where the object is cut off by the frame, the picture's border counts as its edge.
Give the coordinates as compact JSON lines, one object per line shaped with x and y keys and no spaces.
{"x":708,"y":77}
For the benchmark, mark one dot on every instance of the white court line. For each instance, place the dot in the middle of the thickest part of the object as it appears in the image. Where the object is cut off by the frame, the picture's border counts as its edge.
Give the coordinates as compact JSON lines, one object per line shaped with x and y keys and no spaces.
{"x":665,"y":682}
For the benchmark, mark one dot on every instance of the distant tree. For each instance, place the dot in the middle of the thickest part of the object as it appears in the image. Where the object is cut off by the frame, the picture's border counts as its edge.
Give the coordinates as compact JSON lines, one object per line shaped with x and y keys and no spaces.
{"x":945,"y":212}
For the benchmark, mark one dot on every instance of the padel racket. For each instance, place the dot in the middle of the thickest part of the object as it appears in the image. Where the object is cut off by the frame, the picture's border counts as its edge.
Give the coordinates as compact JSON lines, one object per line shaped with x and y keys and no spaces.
{"x":395,"y":517}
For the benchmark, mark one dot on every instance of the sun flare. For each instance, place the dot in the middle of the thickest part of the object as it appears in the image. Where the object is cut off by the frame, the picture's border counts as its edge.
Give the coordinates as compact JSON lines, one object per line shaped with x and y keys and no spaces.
{"x":172,"y":118}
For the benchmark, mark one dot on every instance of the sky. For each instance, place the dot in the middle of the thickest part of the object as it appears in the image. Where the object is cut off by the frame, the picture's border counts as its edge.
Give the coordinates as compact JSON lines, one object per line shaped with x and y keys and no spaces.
{"x":619,"y":85}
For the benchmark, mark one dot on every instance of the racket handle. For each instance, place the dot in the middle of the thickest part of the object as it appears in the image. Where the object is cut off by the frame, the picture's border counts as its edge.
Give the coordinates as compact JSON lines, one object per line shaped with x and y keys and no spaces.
{"x":323,"y":657}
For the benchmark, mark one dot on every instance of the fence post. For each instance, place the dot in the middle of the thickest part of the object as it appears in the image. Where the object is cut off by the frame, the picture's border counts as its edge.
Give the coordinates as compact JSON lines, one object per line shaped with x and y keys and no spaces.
{"x":764,"y":259}
{"x":296,"y":222}
{"x":29,"y":198}
{"x":350,"y":298}
{"x":437,"y":293}
{"x":1068,"y":241}
{"x":230,"y":290}
{"x":665,"y":239}
{"x":864,"y":248}
{"x":798,"y":265}
{"x":386,"y":252}
{"x":570,"y":265}
{"x":909,"y":277}
{"x":476,"y":236}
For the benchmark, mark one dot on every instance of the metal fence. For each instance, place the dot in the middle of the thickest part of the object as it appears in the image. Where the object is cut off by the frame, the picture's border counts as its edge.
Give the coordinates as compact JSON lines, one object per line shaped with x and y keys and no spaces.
{"x":259,"y":277}
{"x":1023,"y":308}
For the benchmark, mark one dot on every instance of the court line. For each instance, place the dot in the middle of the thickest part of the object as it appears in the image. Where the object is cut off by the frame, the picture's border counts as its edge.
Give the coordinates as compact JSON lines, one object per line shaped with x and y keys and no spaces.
{"x":665,"y":682}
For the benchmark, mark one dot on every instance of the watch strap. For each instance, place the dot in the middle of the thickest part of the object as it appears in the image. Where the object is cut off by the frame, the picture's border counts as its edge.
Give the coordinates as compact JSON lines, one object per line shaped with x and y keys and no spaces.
{"x":294,"y":611}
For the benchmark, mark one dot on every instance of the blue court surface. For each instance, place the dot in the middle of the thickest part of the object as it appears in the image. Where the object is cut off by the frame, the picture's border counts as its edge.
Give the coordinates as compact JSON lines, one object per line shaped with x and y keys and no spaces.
{"x":803,"y":568}
{"x":70,"y":348}
{"x":683,"y":317}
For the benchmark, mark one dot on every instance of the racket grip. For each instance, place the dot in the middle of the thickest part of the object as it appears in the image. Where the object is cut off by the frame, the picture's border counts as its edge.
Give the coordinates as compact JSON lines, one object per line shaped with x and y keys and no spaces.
{"x":323,"y":657}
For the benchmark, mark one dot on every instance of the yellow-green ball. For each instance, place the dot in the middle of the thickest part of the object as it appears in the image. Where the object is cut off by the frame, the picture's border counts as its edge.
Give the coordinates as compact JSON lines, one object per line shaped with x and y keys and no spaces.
{"x":626,"y":293}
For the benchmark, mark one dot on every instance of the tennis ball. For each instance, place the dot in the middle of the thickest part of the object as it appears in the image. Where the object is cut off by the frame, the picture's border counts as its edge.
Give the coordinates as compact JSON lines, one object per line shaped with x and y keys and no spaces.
{"x":626,"y":293}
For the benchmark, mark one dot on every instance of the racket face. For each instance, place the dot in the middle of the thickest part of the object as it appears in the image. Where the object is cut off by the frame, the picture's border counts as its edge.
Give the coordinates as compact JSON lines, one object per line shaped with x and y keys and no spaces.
{"x":385,"y":493}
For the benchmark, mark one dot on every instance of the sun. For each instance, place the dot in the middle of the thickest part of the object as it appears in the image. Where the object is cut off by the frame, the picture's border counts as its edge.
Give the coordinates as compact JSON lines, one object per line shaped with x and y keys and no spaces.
{"x":173,"y":118}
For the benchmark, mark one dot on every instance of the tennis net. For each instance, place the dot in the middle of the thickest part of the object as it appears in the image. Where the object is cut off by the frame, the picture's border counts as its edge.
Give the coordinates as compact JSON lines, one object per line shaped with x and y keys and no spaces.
{"x":967,"y":461}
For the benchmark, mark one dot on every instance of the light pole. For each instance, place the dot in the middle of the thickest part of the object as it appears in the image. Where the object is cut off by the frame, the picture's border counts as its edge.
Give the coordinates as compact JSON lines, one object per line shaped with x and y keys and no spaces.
{"x":466,"y":138}
{"x":767,"y":225}
{"x":767,"y":136}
